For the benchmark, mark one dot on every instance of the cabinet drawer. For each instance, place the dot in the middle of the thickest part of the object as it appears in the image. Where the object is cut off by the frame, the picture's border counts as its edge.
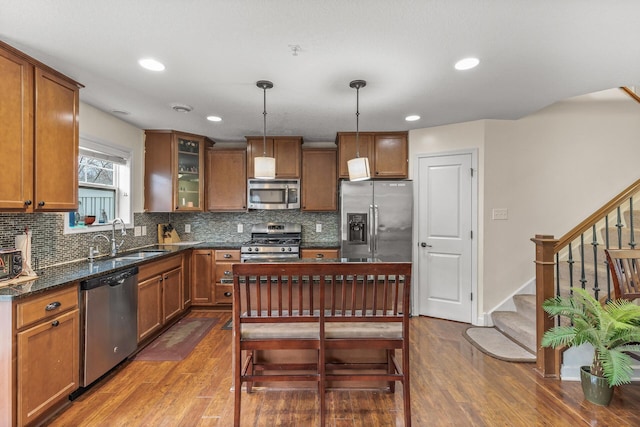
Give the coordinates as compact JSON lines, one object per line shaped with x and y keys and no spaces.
{"x":224,"y":272}
{"x":320,"y":253}
{"x":231,"y":255}
{"x":224,"y":294}
{"x":47,"y":305}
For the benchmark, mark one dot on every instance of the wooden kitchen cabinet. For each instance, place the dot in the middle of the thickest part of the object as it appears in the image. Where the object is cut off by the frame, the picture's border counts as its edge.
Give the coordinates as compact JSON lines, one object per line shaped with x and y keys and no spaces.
{"x":319,"y":179}
{"x":287,"y":151}
{"x":39,"y":355}
{"x":160,"y":295}
{"x":174,"y":171}
{"x":320,"y":253}
{"x":39,"y":162}
{"x":226,"y":180}
{"x":202,"y":282}
{"x":213,"y":276}
{"x":224,"y":260}
{"x":388,"y":153}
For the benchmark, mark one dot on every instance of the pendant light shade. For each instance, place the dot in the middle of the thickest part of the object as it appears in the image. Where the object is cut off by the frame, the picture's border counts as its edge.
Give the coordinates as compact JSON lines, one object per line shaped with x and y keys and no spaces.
{"x":264,"y":167}
{"x":359,"y":166}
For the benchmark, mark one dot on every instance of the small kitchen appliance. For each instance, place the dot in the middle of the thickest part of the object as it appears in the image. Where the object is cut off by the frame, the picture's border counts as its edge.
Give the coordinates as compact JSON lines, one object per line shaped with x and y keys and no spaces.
{"x":10,"y":263}
{"x":273,"y":194}
{"x":272,"y":241}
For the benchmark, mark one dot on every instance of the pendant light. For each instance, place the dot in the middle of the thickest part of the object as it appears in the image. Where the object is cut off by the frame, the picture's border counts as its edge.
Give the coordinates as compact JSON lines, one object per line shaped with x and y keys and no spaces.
{"x":359,"y":166}
{"x":264,"y":167}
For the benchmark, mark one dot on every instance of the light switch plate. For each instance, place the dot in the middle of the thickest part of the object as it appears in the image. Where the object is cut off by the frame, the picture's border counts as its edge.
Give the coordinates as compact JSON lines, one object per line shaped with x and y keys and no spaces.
{"x":187,"y":228}
{"x":144,"y":230}
{"x":318,"y":228}
{"x":500,"y":214}
{"x":240,"y":228}
{"x":137,"y":231}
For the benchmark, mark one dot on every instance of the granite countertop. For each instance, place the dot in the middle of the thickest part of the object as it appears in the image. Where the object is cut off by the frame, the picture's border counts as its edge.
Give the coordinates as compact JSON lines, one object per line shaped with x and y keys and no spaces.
{"x":61,"y":275}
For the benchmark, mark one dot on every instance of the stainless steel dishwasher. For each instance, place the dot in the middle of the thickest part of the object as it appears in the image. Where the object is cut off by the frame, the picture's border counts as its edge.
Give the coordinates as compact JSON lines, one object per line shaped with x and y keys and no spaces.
{"x":110,"y":321}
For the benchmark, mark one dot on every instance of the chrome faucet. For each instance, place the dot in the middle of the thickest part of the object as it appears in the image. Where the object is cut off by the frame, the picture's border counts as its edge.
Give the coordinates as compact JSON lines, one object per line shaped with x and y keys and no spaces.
{"x":112,"y":241}
{"x":123,"y":230}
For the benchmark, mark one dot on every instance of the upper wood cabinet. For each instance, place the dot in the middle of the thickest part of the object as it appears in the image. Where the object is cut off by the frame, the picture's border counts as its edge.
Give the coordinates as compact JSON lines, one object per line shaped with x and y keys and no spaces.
{"x":226,"y":180}
{"x":319,"y":179}
{"x":174,"y":171}
{"x":285,"y":149}
{"x":39,"y":134}
{"x":388,"y":153}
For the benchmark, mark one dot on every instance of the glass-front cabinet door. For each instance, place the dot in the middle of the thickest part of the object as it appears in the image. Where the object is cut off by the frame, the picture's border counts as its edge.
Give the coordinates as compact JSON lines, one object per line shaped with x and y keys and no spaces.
{"x":190,"y":173}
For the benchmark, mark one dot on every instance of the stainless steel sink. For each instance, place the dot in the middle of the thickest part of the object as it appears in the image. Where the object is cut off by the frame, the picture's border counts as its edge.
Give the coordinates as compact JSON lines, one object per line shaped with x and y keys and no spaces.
{"x":140,"y":255}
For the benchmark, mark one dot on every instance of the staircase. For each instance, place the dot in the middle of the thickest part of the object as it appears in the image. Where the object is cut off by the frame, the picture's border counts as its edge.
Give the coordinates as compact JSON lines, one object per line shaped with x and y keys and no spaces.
{"x":519,"y":325}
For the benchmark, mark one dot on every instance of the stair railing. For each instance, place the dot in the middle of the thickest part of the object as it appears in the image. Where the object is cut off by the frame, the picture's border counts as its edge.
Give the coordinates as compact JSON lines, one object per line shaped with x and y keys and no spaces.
{"x":577,"y":260}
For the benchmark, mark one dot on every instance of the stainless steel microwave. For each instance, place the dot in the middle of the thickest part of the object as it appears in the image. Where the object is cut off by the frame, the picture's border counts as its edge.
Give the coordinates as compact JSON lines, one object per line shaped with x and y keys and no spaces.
{"x":273,"y":194}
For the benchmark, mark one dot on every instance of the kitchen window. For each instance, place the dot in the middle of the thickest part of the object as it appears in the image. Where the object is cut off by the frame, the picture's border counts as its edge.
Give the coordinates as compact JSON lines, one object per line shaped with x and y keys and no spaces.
{"x":104,"y":185}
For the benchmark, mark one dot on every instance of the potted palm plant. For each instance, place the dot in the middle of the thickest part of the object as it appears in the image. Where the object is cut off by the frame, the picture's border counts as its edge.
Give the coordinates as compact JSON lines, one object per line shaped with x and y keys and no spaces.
{"x":612,"y":329}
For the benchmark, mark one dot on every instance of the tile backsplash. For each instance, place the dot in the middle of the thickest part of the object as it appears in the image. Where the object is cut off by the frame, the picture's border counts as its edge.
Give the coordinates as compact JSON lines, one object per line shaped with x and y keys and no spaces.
{"x":50,"y":246}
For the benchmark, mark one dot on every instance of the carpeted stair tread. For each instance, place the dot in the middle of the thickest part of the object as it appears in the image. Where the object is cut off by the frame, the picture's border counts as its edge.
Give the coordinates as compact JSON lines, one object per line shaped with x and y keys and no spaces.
{"x":526,"y":306}
{"x":517,"y":327}
{"x":492,"y":342}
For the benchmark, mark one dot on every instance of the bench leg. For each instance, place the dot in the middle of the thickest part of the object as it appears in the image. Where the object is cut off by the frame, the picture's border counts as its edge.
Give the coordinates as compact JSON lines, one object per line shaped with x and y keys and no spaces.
{"x":406,"y":386}
{"x":391,"y":369}
{"x":321,"y":385}
{"x":237,"y":384}
{"x":250,"y":356}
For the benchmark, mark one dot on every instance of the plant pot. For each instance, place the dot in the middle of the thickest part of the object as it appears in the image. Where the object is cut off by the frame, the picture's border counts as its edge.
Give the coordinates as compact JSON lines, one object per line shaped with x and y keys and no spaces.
{"x":596,"y":389}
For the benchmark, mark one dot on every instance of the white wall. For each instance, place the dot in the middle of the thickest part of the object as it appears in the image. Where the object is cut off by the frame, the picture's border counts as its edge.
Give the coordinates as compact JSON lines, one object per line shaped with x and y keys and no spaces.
{"x":103,"y":127}
{"x":551,"y":170}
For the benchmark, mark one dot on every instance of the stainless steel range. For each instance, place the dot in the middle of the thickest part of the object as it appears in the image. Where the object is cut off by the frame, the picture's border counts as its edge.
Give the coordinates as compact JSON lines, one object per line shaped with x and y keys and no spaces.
{"x":270,"y":240}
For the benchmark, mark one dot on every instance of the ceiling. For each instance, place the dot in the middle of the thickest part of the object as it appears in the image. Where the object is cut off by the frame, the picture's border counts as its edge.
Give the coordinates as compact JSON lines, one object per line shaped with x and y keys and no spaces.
{"x":532,"y":54}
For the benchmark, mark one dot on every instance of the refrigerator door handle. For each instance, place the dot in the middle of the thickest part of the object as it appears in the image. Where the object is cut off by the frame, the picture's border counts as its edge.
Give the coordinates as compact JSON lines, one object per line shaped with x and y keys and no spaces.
{"x":372,"y":230}
{"x":376,"y":215}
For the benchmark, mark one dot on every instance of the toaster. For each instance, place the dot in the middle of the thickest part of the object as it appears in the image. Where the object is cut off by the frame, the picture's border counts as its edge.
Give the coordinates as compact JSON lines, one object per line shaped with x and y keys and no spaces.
{"x":10,"y":263}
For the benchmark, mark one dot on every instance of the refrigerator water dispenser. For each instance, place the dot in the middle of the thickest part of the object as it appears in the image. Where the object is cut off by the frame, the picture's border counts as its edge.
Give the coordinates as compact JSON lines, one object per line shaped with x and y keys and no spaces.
{"x":357,"y":228}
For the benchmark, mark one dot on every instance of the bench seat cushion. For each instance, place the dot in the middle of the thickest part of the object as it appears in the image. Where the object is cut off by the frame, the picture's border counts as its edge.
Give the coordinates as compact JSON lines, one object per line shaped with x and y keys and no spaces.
{"x":299,"y":330}
{"x":334,"y":330}
{"x":342,"y":330}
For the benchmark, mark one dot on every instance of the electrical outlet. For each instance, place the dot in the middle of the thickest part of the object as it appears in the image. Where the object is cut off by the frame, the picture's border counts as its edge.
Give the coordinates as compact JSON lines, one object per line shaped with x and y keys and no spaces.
{"x":318,"y":228}
{"x":137,"y":231}
{"x":240,"y":228}
{"x":144,"y":230}
{"x":500,"y":214}
{"x":187,"y":228}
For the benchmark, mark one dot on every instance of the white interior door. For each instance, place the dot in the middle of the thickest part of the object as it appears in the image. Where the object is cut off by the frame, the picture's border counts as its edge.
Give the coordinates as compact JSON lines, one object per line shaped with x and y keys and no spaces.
{"x":445,"y":190}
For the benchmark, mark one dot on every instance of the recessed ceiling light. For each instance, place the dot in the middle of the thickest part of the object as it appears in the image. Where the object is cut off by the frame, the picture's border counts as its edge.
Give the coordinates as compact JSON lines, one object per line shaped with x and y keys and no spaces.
{"x":412,"y":118}
{"x":467,"y":63}
{"x":182,"y":108}
{"x":214,"y":118}
{"x":151,"y":64}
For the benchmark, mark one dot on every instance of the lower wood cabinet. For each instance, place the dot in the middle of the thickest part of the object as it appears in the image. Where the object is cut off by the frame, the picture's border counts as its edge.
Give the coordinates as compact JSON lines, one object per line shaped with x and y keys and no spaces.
{"x":212,"y":277}
{"x":39,"y":355}
{"x":160,"y":295}
{"x":321,"y":253}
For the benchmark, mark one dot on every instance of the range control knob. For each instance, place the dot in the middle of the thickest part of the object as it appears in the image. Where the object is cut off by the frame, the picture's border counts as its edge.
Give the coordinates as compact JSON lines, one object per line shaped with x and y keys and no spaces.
{"x":289,"y":249}
{"x":282,"y":249}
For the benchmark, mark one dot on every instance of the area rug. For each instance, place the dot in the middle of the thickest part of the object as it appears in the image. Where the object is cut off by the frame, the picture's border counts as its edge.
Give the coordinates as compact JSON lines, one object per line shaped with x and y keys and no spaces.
{"x":178,"y":341}
{"x":492,"y":342}
{"x":228,"y":326}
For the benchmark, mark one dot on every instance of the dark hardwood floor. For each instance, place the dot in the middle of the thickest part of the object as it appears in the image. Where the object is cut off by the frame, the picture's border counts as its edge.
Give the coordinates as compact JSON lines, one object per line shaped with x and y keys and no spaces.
{"x":452,"y":384}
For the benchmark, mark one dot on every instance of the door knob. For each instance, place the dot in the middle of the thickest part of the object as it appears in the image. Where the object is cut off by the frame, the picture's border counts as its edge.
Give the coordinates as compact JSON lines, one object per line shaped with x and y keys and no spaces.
{"x":424,"y":245}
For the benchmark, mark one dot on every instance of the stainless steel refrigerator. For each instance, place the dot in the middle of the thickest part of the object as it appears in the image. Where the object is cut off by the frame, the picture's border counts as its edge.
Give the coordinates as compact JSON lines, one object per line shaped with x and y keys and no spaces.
{"x":376,"y":219}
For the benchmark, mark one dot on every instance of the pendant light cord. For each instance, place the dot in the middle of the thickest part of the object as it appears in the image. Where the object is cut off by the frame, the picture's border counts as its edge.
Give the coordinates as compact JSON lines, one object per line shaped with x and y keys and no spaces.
{"x":264,"y":130}
{"x":358,"y":122}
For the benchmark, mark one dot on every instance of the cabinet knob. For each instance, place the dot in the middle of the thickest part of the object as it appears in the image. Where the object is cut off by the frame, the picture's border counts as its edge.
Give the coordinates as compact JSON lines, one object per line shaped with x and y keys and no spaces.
{"x":28,"y":202}
{"x":227,"y":294}
{"x":227,"y":273}
{"x":41,"y":203}
{"x":55,"y":323}
{"x":227,"y":256}
{"x":319,"y":255}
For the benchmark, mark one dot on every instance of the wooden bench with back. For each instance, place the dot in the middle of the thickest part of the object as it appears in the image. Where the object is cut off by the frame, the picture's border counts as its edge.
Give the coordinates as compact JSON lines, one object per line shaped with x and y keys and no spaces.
{"x":324,"y":307}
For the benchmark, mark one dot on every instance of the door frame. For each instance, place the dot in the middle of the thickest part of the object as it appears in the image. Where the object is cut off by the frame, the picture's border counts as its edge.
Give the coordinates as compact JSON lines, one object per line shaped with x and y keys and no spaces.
{"x":417,"y":274}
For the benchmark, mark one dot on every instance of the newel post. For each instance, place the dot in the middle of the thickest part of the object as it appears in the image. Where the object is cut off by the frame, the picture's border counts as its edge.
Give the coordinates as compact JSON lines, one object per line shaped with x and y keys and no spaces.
{"x":546,"y":362}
